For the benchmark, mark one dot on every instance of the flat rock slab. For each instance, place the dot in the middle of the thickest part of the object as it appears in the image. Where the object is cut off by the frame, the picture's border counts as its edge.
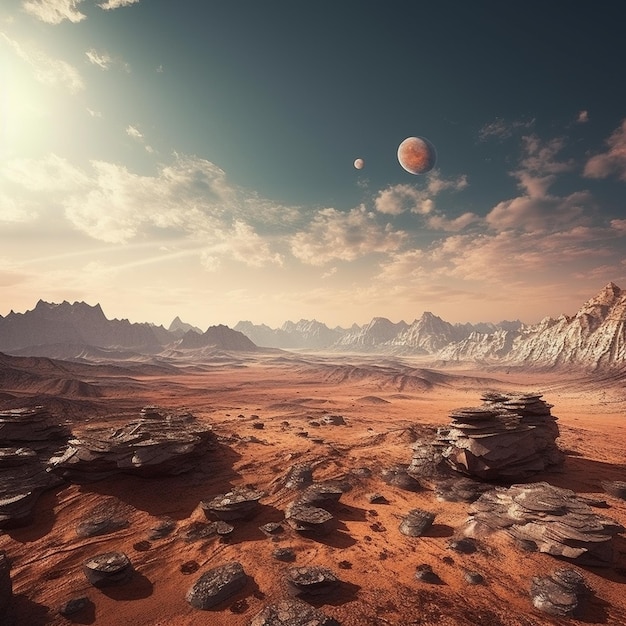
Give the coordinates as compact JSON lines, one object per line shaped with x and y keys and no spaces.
{"x":292,"y":613}
{"x":236,"y":504}
{"x":311,"y":580}
{"x":107,"y":569}
{"x":399,"y":477}
{"x":217,"y":585}
{"x":559,"y":593}
{"x":304,"y":518}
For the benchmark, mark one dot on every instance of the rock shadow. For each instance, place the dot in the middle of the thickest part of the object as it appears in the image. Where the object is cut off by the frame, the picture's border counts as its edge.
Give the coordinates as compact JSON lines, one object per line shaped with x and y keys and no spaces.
{"x":593,"y":610}
{"x":581,"y":475}
{"x":349,"y":512}
{"x":23,"y":610}
{"x":41,"y":519}
{"x":137,"y":588}
{"x":439,"y":530}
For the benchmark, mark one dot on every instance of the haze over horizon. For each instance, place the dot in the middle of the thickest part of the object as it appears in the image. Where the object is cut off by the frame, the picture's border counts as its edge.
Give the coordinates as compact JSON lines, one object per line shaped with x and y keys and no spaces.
{"x":179,"y":159}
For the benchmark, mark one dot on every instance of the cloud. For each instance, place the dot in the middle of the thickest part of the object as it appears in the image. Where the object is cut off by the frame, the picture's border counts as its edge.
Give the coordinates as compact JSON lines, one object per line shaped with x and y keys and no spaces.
{"x":501,"y":129}
{"x":583,"y":117}
{"x":401,"y":198}
{"x":47,"y":70}
{"x":440,"y":222}
{"x":613,"y":161}
{"x":102,"y":60}
{"x":335,"y":235}
{"x":537,"y":209}
{"x":54,"y":11}
{"x":13,"y":211}
{"x":134,"y":132}
{"x":48,"y":175}
{"x":116,"y":4}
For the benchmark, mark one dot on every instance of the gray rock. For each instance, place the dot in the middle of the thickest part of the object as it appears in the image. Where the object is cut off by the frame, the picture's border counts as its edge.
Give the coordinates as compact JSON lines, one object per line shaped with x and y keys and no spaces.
{"x":73,"y":606}
{"x":238,"y":503}
{"x":107,"y":569}
{"x":292,"y":613}
{"x":399,"y":477}
{"x":217,"y":585}
{"x":559,"y":593}
{"x":426,"y":575}
{"x":416,"y":522}
{"x":309,"y":519}
{"x":312,"y":580}
{"x":615,"y":488}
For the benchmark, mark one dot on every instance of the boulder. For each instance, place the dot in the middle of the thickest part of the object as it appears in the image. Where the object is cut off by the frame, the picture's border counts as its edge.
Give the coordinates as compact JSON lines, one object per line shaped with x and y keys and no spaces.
{"x":416,"y":522}
{"x":309,"y":519}
{"x":239,"y":503}
{"x":292,"y":613}
{"x":559,"y":593}
{"x":311,"y":581}
{"x":217,"y":585}
{"x":107,"y":569}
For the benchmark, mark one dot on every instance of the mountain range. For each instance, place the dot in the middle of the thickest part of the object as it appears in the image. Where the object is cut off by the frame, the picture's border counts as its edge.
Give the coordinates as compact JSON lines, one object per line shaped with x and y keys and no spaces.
{"x":594,"y":338}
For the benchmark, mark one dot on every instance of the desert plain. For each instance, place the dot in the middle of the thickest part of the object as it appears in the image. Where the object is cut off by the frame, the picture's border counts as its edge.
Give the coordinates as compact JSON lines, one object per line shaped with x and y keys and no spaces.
{"x":266,"y":412}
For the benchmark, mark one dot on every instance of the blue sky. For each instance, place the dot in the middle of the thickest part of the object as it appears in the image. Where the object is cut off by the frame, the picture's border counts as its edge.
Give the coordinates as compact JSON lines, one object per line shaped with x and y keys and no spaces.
{"x":196,"y":158}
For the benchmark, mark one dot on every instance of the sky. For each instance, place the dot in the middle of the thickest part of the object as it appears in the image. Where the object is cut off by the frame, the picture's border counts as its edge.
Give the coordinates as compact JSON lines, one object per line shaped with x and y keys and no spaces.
{"x":196,"y":158}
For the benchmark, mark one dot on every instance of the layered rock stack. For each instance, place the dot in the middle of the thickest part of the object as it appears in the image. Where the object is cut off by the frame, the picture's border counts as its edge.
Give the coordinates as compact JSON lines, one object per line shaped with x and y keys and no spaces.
{"x":156,"y":444}
{"x":28,"y":438}
{"x":509,"y":437}
{"x":545,"y":518}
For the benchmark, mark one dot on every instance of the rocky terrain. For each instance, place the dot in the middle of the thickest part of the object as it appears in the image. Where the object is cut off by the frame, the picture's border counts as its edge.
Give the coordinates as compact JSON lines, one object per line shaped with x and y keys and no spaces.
{"x":267,"y":488}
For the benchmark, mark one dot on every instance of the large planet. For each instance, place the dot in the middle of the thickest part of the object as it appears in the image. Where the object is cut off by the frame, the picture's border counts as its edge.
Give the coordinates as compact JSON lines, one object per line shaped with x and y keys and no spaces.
{"x":359,"y":163}
{"x":417,"y":155}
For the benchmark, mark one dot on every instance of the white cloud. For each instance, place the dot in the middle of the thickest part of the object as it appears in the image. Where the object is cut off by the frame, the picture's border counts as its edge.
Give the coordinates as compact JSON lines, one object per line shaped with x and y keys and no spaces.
{"x":116,"y":4}
{"x":613,"y":161}
{"x":402,"y":198}
{"x":440,"y":222}
{"x":54,"y":11}
{"x":134,"y":132}
{"x":14,"y":211}
{"x":47,"y":70}
{"x":48,"y":175}
{"x":102,"y":60}
{"x":583,"y":117}
{"x":335,"y":235}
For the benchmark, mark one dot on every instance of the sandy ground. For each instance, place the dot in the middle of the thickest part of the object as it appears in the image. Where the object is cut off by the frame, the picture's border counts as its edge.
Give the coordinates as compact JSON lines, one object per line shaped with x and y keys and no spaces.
{"x":384,"y":404}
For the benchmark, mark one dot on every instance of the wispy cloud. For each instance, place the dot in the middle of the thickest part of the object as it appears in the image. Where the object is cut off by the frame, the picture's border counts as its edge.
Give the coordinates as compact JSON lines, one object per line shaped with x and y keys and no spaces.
{"x":503,"y":129}
{"x":54,"y":11}
{"x":116,"y":4}
{"x":46,"y":69}
{"x":583,"y":117}
{"x":102,"y":59}
{"x":613,"y":161}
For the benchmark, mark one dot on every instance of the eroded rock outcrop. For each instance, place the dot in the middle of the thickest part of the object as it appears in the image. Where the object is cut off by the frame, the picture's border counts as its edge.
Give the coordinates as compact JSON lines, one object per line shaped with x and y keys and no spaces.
{"x":155,"y":444}
{"x":540,"y":516}
{"x":216,"y":585}
{"x":509,"y":437}
{"x":559,"y":593}
{"x":292,"y":613}
{"x":29,"y":437}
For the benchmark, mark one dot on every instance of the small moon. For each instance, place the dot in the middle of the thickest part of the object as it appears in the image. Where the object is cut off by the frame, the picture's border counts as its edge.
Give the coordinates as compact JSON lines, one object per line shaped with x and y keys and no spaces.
{"x":359,"y":164}
{"x":417,"y":155}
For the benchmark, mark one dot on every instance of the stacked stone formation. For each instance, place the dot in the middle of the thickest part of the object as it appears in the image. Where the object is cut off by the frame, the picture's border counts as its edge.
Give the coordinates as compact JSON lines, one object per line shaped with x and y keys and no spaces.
{"x":29,"y":437}
{"x":237,"y":504}
{"x":510,"y":436}
{"x":156,"y":444}
{"x":542,"y":517}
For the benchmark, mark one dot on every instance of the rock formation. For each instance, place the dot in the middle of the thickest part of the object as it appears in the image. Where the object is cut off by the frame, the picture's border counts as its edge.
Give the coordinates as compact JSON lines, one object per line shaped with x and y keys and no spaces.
{"x":539,"y":516}
{"x":239,"y":503}
{"x":156,"y":444}
{"x":416,"y":522}
{"x":510,"y":436}
{"x":28,"y":438}
{"x":311,"y":581}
